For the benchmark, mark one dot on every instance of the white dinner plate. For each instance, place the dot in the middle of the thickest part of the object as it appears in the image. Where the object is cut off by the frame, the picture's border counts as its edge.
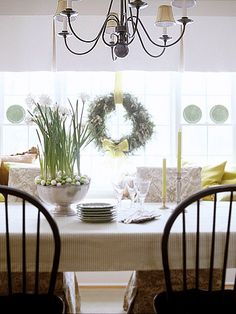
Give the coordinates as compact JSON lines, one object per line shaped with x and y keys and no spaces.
{"x":97,"y":219}
{"x":92,"y":206}
{"x":97,"y":214}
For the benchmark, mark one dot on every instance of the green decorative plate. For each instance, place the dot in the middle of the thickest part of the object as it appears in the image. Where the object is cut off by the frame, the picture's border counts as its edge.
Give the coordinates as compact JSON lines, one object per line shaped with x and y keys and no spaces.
{"x":192,"y":114}
{"x":219,"y":114}
{"x":15,"y":114}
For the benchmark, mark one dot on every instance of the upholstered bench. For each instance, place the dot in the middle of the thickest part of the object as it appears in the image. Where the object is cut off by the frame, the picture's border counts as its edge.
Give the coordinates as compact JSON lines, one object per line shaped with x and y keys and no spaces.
{"x":22,"y":176}
{"x":190,"y":182}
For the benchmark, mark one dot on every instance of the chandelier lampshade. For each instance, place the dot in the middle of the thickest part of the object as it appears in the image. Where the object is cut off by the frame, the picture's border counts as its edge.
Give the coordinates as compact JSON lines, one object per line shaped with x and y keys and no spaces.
{"x":121,"y":26}
{"x":61,"y":6}
{"x":112,"y":23}
{"x":165,"y":16}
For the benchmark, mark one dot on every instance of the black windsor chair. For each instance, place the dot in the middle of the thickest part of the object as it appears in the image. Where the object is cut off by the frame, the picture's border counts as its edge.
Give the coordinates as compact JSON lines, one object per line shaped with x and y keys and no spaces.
{"x":24,"y":295}
{"x":206,"y":249}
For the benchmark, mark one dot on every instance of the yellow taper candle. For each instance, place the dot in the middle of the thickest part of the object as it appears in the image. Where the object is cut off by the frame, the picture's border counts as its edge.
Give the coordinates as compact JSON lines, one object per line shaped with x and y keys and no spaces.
{"x":179,"y":152}
{"x":163,"y":179}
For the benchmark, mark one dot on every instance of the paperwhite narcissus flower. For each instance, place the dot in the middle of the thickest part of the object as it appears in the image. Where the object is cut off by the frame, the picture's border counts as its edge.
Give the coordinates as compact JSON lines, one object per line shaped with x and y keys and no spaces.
{"x":45,"y":100}
{"x":28,"y":119}
{"x":30,"y":101}
{"x":84,"y":97}
{"x":63,"y":111}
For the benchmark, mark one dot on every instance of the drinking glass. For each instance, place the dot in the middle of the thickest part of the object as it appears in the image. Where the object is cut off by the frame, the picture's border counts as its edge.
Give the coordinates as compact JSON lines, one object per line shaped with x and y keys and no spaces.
{"x":118,"y":188}
{"x":131,"y":187}
{"x":142,"y":187}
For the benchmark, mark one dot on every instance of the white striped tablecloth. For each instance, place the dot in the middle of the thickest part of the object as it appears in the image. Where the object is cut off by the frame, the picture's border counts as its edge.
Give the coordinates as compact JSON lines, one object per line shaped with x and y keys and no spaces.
{"x":114,"y":246}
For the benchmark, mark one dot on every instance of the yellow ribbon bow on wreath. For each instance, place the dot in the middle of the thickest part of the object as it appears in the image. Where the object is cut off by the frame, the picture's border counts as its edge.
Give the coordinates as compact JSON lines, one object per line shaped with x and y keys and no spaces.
{"x":115,"y":150}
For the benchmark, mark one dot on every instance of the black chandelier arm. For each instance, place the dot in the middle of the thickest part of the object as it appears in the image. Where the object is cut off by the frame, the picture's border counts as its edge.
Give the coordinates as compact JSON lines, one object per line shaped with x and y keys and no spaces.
{"x":110,"y":6}
{"x":79,"y":53}
{"x":100,"y":31}
{"x":81,"y":39}
{"x":134,"y":24}
{"x":148,"y":36}
{"x":113,"y":56}
{"x":180,"y":37}
{"x":163,"y":46}
{"x":144,"y":48}
{"x":129,"y":42}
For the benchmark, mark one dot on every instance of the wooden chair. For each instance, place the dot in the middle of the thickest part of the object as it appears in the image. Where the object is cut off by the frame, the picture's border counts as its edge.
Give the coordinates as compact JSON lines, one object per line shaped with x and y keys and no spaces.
{"x":25,"y":296}
{"x":205,"y":255}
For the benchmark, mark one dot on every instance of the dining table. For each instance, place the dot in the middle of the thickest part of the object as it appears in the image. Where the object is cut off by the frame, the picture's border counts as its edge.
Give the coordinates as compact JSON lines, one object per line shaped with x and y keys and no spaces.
{"x":113,"y":246}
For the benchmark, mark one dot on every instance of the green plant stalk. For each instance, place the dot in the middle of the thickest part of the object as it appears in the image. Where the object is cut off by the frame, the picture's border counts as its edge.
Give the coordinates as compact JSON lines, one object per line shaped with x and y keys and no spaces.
{"x":82,"y":136}
{"x":60,"y":140}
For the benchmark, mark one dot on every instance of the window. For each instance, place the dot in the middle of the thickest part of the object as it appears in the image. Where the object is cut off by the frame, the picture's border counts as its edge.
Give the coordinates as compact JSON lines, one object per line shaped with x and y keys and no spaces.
{"x":199,"y":103}
{"x":210,"y":138}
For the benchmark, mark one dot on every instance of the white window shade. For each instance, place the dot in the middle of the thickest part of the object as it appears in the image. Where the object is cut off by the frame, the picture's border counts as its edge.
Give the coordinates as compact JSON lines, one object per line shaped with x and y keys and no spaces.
{"x":27,"y":45}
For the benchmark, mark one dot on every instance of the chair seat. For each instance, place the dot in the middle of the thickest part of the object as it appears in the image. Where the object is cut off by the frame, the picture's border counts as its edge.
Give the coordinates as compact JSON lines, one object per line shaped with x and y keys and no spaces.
{"x":31,"y":303}
{"x":196,"y":302}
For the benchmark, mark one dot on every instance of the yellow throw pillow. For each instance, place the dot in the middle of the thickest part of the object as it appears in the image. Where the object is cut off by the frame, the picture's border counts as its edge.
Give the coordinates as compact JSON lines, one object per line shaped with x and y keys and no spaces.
{"x":212,"y":175}
{"x":4,"y":174}
{"x":229,"y":177}
{"x":1,"y":198}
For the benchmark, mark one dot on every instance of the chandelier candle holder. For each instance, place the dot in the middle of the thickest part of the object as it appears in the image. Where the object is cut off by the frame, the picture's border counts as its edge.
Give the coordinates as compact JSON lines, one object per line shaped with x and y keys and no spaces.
{"x":122,"y":24}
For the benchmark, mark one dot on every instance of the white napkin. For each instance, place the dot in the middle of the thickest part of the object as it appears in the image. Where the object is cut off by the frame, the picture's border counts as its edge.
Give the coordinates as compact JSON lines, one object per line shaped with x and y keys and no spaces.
{"x":139,"y":216}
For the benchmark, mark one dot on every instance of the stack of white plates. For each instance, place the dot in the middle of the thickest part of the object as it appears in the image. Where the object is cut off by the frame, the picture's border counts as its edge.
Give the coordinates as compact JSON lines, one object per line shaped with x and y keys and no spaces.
{"x":97,"y":212}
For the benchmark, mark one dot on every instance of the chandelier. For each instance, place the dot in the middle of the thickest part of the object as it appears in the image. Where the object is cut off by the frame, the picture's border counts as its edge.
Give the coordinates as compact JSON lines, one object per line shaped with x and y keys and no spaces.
{"x":121,"y":26}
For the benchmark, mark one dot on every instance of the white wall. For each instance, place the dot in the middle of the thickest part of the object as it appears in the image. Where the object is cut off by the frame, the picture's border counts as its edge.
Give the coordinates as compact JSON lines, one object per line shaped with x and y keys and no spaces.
{"x":26,"y":44}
